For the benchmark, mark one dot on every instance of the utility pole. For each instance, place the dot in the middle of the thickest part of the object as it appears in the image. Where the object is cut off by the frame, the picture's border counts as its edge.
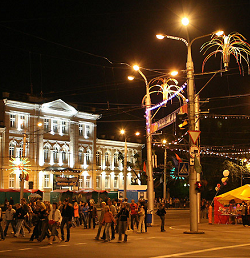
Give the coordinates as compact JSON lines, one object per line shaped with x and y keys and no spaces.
{"x":125,"y":169}
{"x":22,"y":172}
{"x":165,"y":175}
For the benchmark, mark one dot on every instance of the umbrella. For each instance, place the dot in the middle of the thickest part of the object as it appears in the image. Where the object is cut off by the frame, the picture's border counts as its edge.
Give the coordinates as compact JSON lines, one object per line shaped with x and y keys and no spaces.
{"x":35,"y":195}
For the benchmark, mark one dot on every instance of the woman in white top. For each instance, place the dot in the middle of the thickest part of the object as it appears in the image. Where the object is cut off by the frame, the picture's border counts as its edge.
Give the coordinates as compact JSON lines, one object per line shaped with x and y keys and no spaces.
{"x":55,"y":219}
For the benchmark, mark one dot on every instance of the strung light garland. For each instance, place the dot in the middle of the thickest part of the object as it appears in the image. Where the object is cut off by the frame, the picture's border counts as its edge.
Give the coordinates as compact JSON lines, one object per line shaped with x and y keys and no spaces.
{"x":225,"y":116}
{"x":21,"y":165}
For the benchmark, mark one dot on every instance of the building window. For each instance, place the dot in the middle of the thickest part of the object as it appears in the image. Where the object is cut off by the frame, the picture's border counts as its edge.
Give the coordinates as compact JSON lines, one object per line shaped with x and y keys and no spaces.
{"x":12,"y":120}
{"x":80,"y":156}
{"x":12,"y":150}
{"x":107,"y":159}
{"x":80,"y":129}
{"x":98,"y":158}
{"x":46,"y":125}
{"x":116,"y":180}
{"x":64,"y":127}
{"x":87,"y":182}
{"x":107,"y":181}
{"x":98,"y":182}
{"x":88,"y":157}
{"x":64,"y":156}
{"x":116,"y":159}
{"x":55,"y":155}
{"x":46,"y":154}
{"x":87,"y":131}
{"x":80,"y":183}
{"x":46,"y":181}
{"x":12,"y":178}
{"x":19,"y":152}
{"x":55,"y":126}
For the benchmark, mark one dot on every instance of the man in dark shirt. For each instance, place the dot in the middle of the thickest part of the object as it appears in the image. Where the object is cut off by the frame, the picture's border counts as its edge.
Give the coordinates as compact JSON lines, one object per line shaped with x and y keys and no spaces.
{"x":123,"y":217}
{"x":67,"y":214}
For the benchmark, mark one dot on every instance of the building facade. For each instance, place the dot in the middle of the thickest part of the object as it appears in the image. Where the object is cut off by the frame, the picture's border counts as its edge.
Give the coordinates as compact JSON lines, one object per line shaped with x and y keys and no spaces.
{"x":62,"y":149}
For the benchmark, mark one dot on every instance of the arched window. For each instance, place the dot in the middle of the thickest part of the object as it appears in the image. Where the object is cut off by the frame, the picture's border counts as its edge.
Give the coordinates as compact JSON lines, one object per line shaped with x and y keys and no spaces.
{"x":80,"y":156}
{"x":46,"y":153}
{"x":12,"y":150}
{"x":88,"y":157}
{"x":56,"y":154}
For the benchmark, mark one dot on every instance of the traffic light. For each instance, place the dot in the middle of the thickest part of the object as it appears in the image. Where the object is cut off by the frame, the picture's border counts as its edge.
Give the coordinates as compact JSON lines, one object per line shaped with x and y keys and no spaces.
{"x":198,"y":186}
{"x":181,"y":123}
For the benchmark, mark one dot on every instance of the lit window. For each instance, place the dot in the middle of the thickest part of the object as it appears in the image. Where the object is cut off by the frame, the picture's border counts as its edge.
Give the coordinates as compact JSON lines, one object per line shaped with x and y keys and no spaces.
{"x":98,"y":182}
{"x":87,"y":131}
{"x":64,"y":127}
{"x":55,"y":155}
{"x":12,"y":150}
{"x":12,"y":120}
{"x":87,"y":157}
{"x":81,"y":129}
{"x":107,"y":181}
{"x":46,"y":124}
{"x":98,"y":158}
{"x":64,"y":156}
{"x":12,"y":178}
{"x":46,"y":181}
{"x":87,"y":182}
{"x":80,"y":156}
{"x":46,"y":154}
{"x":116,"y":182}
{"x":107,"y":159}
{"x":80,"y":183}
{"x":55,"y":126}
{"x":19,"y":152}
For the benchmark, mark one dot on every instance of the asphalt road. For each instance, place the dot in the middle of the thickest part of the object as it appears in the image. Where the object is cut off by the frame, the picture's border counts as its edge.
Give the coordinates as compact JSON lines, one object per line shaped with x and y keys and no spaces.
{"x":217,"y":241}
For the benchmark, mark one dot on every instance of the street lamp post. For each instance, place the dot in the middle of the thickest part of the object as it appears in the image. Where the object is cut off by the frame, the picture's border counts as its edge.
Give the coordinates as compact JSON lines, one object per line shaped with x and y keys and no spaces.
{"x":191,"y":121}
{"x":150,"y":182}
{"x":165,"y":173}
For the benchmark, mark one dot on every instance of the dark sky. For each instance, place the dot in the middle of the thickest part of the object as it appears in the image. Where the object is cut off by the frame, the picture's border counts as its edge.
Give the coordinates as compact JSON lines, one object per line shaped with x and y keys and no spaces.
{"x":74,"y":50}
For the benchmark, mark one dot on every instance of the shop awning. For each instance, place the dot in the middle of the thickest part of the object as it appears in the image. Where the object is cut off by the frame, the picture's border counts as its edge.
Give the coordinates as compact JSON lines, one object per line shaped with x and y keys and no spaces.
{"x":62,"y":169}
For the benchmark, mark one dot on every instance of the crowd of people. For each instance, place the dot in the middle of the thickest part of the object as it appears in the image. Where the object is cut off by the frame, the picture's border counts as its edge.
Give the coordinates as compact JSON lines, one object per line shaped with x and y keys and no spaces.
{"x":45,"y":220}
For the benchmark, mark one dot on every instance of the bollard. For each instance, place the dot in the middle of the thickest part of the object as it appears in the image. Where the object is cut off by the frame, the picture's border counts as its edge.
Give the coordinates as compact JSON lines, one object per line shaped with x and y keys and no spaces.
{"x":210,"y":215}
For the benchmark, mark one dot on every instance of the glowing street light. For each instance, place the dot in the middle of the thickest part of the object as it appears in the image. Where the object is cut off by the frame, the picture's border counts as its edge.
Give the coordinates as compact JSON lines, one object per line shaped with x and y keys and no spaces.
{"x":131,"y":78}
{"x":185,"y":21}
{"x":174,"y":73}
{"x":159,"y":36}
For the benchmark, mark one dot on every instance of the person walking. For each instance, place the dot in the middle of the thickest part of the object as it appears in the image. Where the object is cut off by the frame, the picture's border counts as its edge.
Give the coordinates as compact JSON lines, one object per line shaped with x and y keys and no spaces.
{"x":76,"y":214}
{"x":67,"y":214}
{"x":92,"y":214}
{"x":55,"y":219}
{"x":114,"y":213}
{"x":161,"y":213}
{"x":123,"y":218}
{"x":20,"y":216}
{"x":107,"y":219}
{"x":103,"y":204}
{"x":9,"y":217}
{"x":134,"y":213}
{"x":1,"y":229}
{"x":141,"y":225}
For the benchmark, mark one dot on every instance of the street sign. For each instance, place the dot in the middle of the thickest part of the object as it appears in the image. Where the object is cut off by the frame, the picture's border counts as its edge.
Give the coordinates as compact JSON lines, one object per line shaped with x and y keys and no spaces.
{"x":183,"y":169}
{"x":194,"y":135}
{"x":194,"y":151}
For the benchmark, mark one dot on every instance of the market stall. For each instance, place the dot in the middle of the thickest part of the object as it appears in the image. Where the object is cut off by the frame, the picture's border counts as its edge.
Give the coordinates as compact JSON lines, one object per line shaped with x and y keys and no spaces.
{"x":227,"y":208}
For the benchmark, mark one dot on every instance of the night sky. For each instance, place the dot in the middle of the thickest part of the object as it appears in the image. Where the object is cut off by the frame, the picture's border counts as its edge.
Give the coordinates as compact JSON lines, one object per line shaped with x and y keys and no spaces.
{"x":76,"y":50}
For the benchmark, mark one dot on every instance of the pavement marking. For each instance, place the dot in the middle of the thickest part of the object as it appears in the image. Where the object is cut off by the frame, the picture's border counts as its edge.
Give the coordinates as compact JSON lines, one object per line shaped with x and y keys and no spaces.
{"x":80,"y":243}
{"x":48,"y":246}
{"x":23,"y":249}
{"x":200,"y":251}
{"x":5,"y":251}
{"x":63,"y":245}
{"x":150,"y":237}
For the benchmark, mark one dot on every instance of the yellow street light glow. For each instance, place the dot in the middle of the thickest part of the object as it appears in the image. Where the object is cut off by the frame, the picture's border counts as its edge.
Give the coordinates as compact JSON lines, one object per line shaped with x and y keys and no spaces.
{"x":122,"y":131}
{"x":136,"y":67}
{"x":185,"y":21}
{"x":174,"y":73}
{"x":137,"y":133}
{"x":159,"y":36}
{"x":40,"y":124}
{"x":164,"y":141}
{"x":131,"y":78}
{"x":219,"y":33}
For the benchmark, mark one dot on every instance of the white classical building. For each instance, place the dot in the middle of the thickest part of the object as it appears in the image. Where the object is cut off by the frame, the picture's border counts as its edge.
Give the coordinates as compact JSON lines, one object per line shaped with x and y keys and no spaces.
{"x":62,"y":148}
